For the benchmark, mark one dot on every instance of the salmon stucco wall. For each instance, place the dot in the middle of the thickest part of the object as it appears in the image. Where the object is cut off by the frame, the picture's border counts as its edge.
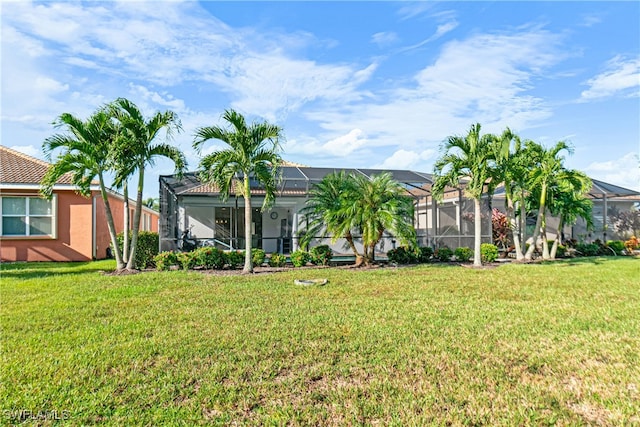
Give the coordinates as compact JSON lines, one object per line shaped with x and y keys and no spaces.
{"x":74,"y":234}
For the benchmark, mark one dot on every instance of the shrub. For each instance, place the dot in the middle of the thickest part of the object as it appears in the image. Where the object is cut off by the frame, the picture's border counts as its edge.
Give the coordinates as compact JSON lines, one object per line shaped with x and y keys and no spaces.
{"x":257,"y":257}
{"x":164,"y":260}
{"x":463,"y":254}
{"x":617,"y":246}
{"x":300,"y":258}
{"x":209,"y":258}
{"x":277,"y":260}
{"x":443,"y":254}
{"x":146,"y":250}
{"x":402,"y":255}
{"x":235,"y":259}
{"x":425,"y":253}
{"x":631,"y":244}
{"x":321,"y":255}
{"x":488,"y":252}
{"x":561,"y":252}
{"x":187,"y":260}
{"x":587,"y":249}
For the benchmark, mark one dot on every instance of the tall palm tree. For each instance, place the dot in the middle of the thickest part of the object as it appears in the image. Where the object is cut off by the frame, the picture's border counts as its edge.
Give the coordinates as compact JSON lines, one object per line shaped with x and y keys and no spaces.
{"x":324,"y":213}
{"x":511,"y":168}
{"x":137,"y":149}
{"x":466,"y":158}
{"x":569,"y":202}
{"x":253,"y":153}
{"x":547,"y":165}
{"x":381,"y":204}
{"x":86,"y":155}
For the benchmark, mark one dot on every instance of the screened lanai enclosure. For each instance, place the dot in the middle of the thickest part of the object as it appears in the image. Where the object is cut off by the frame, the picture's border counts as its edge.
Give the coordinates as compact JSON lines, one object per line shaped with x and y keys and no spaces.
{"x":193,"y":211}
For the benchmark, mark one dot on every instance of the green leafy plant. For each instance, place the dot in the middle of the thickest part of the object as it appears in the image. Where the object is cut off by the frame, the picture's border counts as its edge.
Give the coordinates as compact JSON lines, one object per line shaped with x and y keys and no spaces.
{"x":321,"y":255}
{"x":488,"y":252}
{"x":147,"y":248}
{"x":187,"y":260}
{"x":257,"y":257}
{"x":587,"y":249}
{"x":617,"y":246}
{"x":277,"y":260}
{"x":402,"y":255}
{"x":235,"y":258}
{"x":425,"y":254}
{"x":300,"y":258}
{"x":443,"y":254}
{"x":165,"y":260}
{"x":209,"y":257}
{"x":463,"y":254}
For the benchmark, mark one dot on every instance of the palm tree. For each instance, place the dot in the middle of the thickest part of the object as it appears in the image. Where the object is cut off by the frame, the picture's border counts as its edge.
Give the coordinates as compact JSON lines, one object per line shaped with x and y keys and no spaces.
{"x":324,"y":213}
{"x":253,"y":153}
{"x":569,"y":202}
{"x":380,"y":204}
{"x":547,"y":165}
{"x":466,"y":158}
{"x":511,"y":168}
{"x":86,"y":155}
{"x":138,"y":149}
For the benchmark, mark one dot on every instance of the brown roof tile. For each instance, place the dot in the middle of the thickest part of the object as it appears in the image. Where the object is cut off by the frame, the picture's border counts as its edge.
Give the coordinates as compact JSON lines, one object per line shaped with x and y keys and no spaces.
{"x":20,"y":168}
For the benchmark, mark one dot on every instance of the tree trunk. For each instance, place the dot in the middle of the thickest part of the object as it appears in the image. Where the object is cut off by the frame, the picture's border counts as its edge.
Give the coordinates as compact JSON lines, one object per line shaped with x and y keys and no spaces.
{"x":111,"y":225}
{"x":248,"y":263}
{"x":125,"y":231}
{"x":556,"y":242}
{"x":523,"y":223}
{"x":545,"y":243}
{"x":131,"y":263}
{"x":515,"y":228}
{"x":352,"y":245}
{"x":536,"y":231}
{"x":477,"y":259}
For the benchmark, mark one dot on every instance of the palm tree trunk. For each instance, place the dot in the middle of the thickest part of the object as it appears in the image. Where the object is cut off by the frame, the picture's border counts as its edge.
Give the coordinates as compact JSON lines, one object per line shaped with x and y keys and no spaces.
{"x":131,"y":263}
{"x":556,"y":242}
{"x":536,"y":231}
{"x":545,"y":243}
{"x":248,"y":264}
{"x":125,"y":232}
{"x":110,"y":224}
{"x":523,"y":222}
{"x":352,"y":245}
{"x":477,"y":260}
{"x":515,"y":228}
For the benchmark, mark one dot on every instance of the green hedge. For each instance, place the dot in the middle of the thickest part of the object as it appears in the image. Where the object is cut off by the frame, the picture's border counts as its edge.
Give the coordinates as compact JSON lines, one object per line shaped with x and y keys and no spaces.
{"x":147,"y":248}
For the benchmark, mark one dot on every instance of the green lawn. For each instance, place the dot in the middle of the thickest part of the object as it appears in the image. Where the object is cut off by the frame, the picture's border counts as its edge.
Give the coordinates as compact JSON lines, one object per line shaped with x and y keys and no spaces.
{"x":536,"y":344}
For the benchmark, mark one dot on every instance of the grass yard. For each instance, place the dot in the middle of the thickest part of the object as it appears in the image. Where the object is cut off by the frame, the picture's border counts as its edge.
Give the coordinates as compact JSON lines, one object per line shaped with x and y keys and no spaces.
{"x":536,"y":344}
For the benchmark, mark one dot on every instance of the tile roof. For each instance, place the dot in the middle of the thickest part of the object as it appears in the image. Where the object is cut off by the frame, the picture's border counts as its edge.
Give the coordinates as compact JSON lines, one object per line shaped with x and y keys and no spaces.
{"x":20,"y":168}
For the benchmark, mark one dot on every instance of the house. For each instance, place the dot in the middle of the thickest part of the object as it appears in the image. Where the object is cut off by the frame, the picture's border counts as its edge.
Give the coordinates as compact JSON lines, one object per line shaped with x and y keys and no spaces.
{"x":187,"y":204}
{"x":69,"y":227}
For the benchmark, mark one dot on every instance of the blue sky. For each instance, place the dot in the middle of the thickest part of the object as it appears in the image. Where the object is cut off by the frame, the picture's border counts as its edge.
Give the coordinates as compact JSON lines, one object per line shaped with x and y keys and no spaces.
{"x":353,"y":84}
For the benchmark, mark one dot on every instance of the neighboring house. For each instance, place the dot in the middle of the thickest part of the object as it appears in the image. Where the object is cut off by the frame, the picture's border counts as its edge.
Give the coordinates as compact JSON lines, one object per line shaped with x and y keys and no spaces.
{"x":187,"y":204}
{"x":69,"y":227}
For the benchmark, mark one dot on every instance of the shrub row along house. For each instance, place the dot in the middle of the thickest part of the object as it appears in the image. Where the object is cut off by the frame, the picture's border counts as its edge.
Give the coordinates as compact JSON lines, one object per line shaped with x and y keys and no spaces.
{"x":69,"y":227}
{"x":189,"y":205}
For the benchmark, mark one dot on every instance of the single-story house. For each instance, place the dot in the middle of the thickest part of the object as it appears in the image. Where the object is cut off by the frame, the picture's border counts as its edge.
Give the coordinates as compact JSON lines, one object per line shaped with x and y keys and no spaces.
{"x":188,"y":204}
{"x":69,"y":227}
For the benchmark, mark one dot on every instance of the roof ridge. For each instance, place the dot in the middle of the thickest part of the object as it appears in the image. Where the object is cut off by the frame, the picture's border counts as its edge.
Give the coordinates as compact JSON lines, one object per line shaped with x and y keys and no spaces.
{"x":25,"y":156}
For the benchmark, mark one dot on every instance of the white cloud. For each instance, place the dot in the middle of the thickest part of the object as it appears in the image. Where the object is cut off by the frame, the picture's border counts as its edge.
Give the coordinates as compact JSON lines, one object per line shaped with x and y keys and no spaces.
{"x":407,"y":159}
{"x":384,"y":39}
{"x":624,"y":171}
{"x":29,"y":150}
{"x":622,"y":77}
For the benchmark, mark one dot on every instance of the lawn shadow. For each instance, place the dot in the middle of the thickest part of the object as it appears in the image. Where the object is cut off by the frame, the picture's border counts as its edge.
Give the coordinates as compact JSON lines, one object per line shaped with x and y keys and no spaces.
{"x":34,"y":270}
{"x":594,"y":260}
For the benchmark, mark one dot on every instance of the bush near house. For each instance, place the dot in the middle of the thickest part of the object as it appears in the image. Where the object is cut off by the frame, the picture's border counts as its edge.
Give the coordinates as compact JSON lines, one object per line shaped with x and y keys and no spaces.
{"x":165,"y":260}
{"x":235,"y":259}
{"x":425,"y":254}
{"x":300,"y":258}
{"x":210,"y":258}
{"x":321,"y":255}
{"x":488,"y":252}
{"x":147,"y":249}
{"x":258,"y":256}
{"x":463,"y":254}
{"x":631,"y":245}
{"x":277,"y":260}
{"x":587,"y":249}
{"x":443,"y":254}
{"x":617,"y":246}
{"x":402,"y":255}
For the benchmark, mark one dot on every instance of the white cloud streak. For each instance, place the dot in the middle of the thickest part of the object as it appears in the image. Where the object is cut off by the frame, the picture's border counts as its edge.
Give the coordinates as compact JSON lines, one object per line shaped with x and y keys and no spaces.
{"x":621,"y":78}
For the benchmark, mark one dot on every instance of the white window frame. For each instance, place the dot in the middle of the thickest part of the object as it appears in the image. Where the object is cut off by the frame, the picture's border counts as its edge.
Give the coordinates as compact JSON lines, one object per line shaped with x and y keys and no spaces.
{"x":53,"y":216}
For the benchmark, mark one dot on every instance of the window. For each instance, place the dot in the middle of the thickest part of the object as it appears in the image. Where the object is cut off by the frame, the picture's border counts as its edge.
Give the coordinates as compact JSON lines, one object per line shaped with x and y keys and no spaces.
{"x":27,"y":216}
